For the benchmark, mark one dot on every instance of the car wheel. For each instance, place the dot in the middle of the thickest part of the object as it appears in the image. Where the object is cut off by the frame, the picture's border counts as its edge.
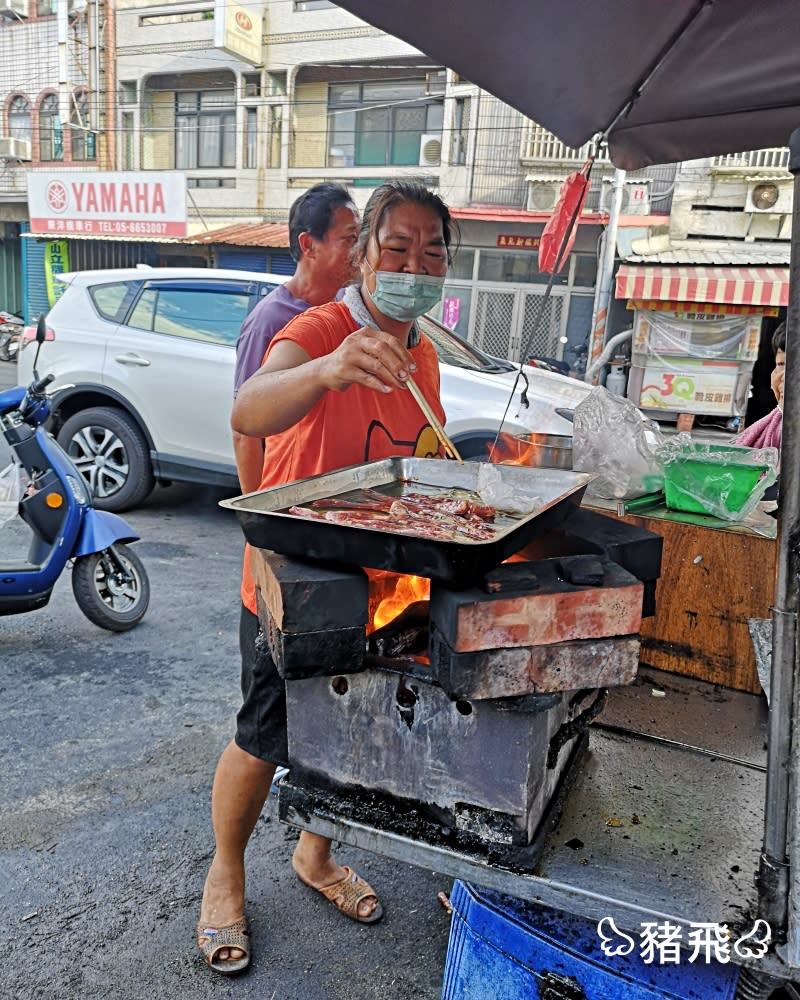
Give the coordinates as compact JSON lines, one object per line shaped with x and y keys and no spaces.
{"x":112,"y":456}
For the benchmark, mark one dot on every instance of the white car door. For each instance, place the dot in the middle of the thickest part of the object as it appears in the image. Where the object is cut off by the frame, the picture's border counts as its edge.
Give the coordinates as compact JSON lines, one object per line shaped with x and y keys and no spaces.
{"x":174,"y":361}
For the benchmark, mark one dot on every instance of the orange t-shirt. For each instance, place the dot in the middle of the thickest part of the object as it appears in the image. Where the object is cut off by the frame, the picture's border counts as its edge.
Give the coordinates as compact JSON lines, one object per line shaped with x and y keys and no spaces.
{"x":352,"y":427}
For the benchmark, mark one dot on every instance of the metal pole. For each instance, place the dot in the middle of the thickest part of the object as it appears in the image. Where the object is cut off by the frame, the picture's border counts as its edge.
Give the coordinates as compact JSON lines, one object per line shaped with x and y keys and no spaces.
{"x":778,"y":875}
{"x":64,"y":93}
{"x":605,"y":274}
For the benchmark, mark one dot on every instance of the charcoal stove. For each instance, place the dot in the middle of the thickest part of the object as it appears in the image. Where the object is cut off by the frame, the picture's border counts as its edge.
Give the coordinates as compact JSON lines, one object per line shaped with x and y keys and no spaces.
{"x":460,"y":722}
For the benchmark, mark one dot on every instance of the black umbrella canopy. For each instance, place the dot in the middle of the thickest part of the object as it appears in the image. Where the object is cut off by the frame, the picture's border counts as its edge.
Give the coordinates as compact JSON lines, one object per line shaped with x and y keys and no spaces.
{"x":672,"y":79}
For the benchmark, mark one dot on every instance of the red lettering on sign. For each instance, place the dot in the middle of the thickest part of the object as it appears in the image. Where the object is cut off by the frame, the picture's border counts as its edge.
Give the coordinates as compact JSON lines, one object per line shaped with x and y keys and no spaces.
{"x":113,"y":198}
{"x":108,"y":198}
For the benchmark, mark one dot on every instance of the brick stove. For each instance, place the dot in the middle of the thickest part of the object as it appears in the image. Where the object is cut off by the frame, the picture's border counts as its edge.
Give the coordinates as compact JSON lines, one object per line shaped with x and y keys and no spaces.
{"x":462,"y":721}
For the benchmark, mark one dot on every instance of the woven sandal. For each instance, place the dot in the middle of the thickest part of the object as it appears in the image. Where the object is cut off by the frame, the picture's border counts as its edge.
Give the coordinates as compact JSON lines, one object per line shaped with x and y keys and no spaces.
{"x":347,"y":893}
{"x":235,"y":935}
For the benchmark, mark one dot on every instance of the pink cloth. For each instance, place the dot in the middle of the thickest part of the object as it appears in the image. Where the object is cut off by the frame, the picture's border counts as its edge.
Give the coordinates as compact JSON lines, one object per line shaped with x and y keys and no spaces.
{"x":764,"y":433}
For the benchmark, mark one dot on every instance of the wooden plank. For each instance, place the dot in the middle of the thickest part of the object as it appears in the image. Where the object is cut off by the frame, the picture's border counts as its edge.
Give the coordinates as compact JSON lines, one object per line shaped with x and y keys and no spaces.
{"x":712,"y":580}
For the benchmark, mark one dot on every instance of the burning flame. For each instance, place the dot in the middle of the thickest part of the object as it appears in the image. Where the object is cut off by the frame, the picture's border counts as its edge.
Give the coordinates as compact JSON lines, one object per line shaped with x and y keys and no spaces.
{"x":522,"y":450}
{"x":391,"y":594}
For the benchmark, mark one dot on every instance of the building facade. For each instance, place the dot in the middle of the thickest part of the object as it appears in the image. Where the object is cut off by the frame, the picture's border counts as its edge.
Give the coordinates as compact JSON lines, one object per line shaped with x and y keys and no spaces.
{"x":306,"y":93}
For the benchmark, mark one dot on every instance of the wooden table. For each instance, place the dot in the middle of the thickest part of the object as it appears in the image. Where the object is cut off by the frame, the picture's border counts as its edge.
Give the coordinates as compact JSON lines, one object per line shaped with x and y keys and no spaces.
{"x":714,"y":576}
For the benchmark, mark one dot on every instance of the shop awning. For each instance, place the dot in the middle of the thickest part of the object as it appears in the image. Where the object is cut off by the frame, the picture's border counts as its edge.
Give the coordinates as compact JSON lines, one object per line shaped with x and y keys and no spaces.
{"x":758,"y":286}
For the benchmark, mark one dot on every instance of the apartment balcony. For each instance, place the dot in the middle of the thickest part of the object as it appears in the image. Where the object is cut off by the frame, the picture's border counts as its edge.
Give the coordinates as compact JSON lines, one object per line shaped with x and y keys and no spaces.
{"x":761,"y":161}
{"x":540,"y":147}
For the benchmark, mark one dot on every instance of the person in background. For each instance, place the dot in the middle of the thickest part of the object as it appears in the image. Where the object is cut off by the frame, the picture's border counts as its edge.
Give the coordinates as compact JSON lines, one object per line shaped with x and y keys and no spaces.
{"x":766,"y":432}
{"x":323,"y":230}
{"x":332,"y":393}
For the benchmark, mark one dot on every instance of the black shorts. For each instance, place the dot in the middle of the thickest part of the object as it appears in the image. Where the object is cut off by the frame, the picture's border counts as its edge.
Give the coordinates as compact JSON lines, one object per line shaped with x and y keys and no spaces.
{"x":261,"y":721}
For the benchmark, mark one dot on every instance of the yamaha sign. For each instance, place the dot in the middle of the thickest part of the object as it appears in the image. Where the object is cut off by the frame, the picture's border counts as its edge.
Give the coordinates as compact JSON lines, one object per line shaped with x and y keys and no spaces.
{"x":97,"y":203}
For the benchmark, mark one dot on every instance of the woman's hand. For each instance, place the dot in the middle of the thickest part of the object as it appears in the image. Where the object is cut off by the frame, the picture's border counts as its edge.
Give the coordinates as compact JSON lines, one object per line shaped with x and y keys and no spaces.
{"x":370,"y":358}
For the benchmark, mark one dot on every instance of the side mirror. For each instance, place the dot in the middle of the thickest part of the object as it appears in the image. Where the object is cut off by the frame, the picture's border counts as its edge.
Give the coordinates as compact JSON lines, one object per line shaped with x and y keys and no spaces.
{"x":41,"y":329}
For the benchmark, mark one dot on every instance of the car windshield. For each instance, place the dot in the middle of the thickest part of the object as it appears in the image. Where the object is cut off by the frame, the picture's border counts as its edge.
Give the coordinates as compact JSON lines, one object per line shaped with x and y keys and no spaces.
{"x":452,"y":350}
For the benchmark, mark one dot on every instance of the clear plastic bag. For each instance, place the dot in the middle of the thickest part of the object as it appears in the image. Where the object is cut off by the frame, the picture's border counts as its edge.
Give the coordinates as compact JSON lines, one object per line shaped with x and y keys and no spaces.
{"x":13,"y":483}
{"x":613,"y":439}
{"x":724,"y":481}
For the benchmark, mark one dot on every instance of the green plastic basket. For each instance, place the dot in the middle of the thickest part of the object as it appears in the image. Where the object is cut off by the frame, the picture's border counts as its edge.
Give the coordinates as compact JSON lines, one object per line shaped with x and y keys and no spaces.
{"x":700,"y":485}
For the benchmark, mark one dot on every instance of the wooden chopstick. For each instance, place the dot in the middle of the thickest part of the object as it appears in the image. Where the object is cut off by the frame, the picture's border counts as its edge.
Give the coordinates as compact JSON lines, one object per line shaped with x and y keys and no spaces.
{"x":423,"y":404}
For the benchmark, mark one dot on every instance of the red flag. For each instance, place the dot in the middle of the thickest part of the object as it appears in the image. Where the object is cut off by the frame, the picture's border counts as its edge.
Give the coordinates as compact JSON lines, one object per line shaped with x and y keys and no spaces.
{"x":566,"y":214}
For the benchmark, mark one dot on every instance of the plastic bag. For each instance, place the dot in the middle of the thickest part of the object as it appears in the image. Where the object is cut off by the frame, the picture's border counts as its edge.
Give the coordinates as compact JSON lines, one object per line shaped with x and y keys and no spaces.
{"x":565,"y":217}
{"x":723,"y":481}
{"x":13,"y":482}
{"x":613,"y":439}
{"x":494,"y":490}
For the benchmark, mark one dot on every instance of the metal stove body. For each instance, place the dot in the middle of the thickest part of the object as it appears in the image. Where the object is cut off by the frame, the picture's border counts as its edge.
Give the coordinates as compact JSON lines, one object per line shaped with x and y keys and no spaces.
{"x":467,"y":739}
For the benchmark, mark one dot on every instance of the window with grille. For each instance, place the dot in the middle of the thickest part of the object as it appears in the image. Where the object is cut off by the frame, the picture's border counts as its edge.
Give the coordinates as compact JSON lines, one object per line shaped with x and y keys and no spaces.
{"x":19,"y":118}
{"x":51,"y":142}
{"x":541,"y":339}
{"x":494,"y":316}
{"x":205,"y":129}
{"x":83,"y":141}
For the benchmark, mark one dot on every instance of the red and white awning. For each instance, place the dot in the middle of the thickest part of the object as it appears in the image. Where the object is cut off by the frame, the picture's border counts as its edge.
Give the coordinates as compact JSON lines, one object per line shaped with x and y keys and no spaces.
{"x":758,"y":286}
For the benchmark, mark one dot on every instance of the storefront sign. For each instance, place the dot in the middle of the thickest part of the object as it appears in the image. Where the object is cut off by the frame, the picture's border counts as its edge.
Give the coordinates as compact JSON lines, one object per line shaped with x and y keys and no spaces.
{"x":700,"y":391}
{"x":56,"y":261}
{"x":101,"y":203}
{"x":451,"y":311}
{"x":237,"y":31}
{"x":519,"y":242}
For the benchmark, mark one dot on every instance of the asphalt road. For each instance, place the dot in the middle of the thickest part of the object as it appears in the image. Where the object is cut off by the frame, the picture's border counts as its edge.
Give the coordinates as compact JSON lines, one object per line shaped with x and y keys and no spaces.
{"x":108,"y":749}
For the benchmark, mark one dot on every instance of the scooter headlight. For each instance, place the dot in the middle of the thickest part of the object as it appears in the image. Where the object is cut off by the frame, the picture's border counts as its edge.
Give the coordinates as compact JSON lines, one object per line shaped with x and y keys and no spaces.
{"x":79,"y":489}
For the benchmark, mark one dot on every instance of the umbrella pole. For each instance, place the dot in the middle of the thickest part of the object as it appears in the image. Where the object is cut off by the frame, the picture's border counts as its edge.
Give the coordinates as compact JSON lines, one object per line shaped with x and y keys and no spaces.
{"x":779,"y":875}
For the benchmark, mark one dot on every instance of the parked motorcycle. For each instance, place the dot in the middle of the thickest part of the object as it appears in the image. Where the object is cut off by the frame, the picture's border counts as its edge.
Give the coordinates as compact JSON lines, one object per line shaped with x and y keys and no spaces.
{"x":11,"y":327}
{"x":109,"y":581}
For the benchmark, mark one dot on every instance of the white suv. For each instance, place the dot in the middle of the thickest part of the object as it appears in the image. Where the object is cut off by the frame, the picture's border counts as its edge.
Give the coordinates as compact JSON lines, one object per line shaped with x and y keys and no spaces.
{"x":146,"y":357}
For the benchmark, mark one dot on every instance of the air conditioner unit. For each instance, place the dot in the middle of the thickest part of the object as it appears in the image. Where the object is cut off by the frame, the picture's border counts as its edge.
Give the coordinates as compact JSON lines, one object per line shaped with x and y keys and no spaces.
{"x":435,"y":82}
{"x":769,"y":196}
{"x":430,"y":149}
{"x":12,"y":148}
{"x":14,"y":9}
{"x":635,"y":196}
{"x":542,"y":195}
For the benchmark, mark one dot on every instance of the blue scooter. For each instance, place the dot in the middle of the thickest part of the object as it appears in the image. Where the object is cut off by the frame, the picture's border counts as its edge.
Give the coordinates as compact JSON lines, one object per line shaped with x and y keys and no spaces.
{"x":109,"y":581}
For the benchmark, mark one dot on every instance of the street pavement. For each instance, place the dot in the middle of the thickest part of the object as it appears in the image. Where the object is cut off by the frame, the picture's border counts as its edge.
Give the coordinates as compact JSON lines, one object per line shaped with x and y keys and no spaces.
{"x":108,"y":750}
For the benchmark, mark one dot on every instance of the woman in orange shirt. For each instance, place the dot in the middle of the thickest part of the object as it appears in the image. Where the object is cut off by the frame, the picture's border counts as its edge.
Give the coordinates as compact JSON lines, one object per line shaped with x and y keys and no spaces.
{"x":331,"y":393}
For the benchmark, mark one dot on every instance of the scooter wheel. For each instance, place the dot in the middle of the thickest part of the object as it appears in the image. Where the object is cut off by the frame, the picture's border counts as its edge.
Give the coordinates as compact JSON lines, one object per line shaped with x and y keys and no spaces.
{"x":111,"y":588}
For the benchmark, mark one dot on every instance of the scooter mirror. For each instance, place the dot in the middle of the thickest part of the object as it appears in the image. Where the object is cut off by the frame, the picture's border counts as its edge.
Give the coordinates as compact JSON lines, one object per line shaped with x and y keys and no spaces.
{"x":41,"y":329}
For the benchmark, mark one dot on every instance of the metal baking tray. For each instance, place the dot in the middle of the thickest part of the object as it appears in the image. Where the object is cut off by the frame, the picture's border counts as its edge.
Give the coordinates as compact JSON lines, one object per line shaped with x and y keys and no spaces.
{"x":267,"y":524}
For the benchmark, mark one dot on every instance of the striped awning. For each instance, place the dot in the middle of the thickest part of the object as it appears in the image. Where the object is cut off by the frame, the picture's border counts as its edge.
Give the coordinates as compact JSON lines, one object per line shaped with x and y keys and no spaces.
{"x":758,"y":286}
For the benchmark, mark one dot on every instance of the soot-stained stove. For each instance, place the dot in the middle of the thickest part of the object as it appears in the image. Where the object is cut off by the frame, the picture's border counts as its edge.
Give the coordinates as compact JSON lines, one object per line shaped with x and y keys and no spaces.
{"x":450,"y":718}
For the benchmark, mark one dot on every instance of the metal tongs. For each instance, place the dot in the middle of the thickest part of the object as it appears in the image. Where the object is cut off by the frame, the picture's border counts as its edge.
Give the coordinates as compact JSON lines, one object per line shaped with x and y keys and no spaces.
{"x":449,"y":448}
